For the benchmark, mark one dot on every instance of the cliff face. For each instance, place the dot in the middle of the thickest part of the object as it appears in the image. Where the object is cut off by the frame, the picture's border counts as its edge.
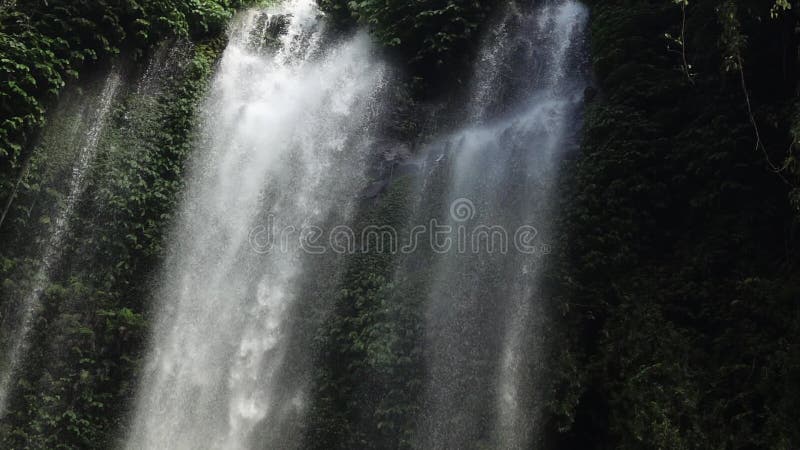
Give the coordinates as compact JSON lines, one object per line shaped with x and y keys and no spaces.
{"x":678,"y":276}
{"x":87,"y":195}
{"x":672,"y":288}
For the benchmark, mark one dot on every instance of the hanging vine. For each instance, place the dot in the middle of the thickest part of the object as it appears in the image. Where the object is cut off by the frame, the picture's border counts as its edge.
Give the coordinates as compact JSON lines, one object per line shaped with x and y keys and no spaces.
{"x":733,"y":42}
{"x":680,"y":41}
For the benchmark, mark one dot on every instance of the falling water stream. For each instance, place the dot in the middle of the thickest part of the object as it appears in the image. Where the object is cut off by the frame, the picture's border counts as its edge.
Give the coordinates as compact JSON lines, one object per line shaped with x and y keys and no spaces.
{"x":485,"y":313}
{"x":289,"y":136}
{"x":285,"y":132}
{"x":58,"y":230}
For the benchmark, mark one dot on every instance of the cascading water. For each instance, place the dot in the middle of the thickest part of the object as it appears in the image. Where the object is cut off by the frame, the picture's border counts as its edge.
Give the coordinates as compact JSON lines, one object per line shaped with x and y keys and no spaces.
{"x":497,"y":175}
{"x":285,"y":133}
{"x":60,"y":227}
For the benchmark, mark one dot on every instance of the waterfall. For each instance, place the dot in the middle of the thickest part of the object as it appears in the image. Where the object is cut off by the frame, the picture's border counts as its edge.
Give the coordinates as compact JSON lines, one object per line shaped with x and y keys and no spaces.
{"x":485,"y":311}
{"x":51,"y":252}
{"x":283,"y":143}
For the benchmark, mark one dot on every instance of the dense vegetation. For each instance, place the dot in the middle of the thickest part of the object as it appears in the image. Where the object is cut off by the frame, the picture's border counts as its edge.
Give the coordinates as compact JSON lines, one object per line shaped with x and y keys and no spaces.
{"x":676,"y":283}
{"x":44,"y":44}
{"x":678,"y":278}
{"x":368,"y":375}
{"x":75,"y":386}
{"x":435,"y":38}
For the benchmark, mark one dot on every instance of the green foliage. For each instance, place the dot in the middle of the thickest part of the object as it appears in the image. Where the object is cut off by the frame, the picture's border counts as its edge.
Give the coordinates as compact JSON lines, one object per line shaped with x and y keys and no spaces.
{"x":73,"y":388}
{"x":369,"y":371}
{"x":44,"y":44}
{"x":76,"y":386}
{"x":676,"y":280}
{"x":432,"y":35}
{"x":677,"y":275}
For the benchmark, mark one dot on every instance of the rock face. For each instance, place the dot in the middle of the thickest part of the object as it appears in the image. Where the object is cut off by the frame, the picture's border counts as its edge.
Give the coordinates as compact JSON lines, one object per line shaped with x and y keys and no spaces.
{"x":270,"y":29}
{"x":392,"y":159}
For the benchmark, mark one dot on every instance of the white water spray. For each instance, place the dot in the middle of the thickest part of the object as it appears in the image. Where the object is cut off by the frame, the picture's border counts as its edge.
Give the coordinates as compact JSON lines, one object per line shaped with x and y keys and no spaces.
{"x":285,"y":132}
{"x":560,"y":25}
{"x":60,"y":227}
{"x":485,"y":311}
